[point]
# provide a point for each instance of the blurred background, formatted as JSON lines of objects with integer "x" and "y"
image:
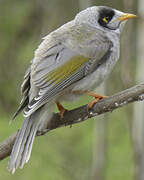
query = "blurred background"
{"x": 105, "y": 148}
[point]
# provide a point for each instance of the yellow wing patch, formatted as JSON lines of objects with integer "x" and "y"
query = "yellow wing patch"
{"x": 66, "y": 69}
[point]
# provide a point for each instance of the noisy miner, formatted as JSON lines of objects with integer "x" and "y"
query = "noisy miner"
{"x": 71, "y": 61}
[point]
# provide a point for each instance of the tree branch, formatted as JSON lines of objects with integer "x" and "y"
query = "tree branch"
{"x": 80, "y": 114}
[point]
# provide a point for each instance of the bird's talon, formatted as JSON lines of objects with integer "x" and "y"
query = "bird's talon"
{"x": 61, "y": 113}
{"x": 61, "y": 109}
{"x": 91, "y": 104}
{"x": 97, "y": 98}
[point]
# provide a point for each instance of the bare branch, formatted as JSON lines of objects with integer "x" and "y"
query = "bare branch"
{"x": 80, "y": 114}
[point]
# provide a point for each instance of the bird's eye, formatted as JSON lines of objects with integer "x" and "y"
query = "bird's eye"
{"x": 106, "y": 19}
{"x": 105, "y": 16}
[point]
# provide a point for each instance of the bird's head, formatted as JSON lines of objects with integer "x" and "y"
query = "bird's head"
{"x": 104, "y": 18}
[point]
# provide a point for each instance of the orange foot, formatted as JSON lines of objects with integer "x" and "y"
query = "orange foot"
{"x": 61, "y": 109}
{"x": 96, "y": 96}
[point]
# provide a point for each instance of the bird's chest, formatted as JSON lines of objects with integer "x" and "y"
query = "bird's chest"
{"x": 93, "y": 80}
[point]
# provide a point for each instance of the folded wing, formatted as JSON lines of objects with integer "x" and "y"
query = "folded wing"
{"x": 55, "y": 72}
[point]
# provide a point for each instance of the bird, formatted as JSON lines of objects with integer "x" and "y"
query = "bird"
{"x": 71, "y": 61}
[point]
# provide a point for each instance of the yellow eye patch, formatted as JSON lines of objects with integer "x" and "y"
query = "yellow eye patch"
{"x": 105, "y": 20}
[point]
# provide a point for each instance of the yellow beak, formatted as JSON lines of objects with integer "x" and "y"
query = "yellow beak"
{"x": 126, "y": 16}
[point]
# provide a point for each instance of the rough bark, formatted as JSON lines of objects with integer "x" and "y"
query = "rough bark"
{"x": 82, "y": 113}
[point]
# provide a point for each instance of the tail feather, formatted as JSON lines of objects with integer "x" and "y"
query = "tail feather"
{"x": 17, "y": 144}
{"x": 23, "y": 144}
{"x": 28, "y": 147}
{"x": 22, "y": 148}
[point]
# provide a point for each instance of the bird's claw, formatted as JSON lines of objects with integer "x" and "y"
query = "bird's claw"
{"x": 94, "y": 101}
{"x": 61, "y": 109}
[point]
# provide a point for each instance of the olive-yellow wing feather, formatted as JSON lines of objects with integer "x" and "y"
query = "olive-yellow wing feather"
{"x": 52, "y": 81}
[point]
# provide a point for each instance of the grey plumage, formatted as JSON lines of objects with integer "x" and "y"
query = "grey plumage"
{"x": 77, "y": 56}
{"x": 25, "y": 87}
{"x": 22, "y": 147}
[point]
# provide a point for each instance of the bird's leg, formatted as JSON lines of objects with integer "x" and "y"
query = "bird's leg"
{"x": 61, "y": 109}
{"x": 89, "y": 93}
